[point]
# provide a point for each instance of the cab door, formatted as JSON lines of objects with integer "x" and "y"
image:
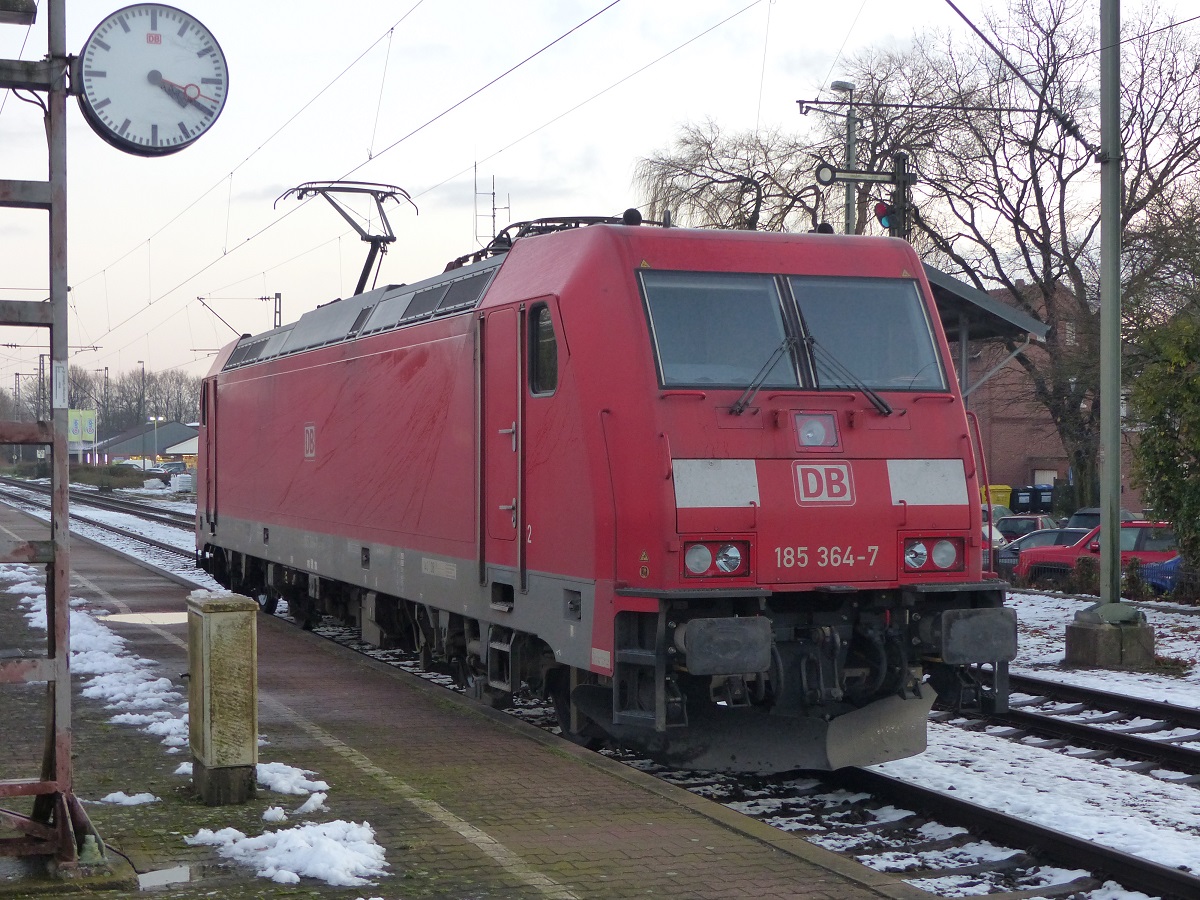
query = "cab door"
{"x": 500, "y": 439}
{"x": 208, "y": 461}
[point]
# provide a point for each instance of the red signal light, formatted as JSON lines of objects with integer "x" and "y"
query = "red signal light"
{"x": 884, "y": 213}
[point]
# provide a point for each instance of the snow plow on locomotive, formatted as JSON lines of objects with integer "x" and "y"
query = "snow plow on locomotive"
{"x": 712, "y": 493}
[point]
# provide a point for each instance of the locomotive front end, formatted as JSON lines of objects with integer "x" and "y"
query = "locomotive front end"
{"x": 822, "y": 581}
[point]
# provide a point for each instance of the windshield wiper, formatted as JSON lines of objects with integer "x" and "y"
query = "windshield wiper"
{"x": 753, "y": 387}
{"x": 835, "y": 365}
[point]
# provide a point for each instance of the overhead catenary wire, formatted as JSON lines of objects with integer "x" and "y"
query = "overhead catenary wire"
{"x": 284, "y": 216}
{"x": 271, "y": 137}
{"x": 594, "y": 96}
{"x": 257, "y": 234}
{"x": 1067, "y": 123}
{"x": 271, "y": 225}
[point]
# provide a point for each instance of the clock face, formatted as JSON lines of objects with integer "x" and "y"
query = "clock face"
{"x": 153, "y": 79}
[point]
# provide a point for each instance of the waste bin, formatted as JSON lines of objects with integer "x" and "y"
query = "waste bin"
{"x": 1033, "y": 498}
{"x": 1001, "y": 494}
{"x": 1043, "y": 495}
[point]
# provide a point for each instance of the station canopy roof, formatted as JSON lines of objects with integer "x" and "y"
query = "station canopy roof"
{"x": 984, "y": 317}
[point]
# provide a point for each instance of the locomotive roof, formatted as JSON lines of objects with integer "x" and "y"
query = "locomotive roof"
{"x": 463, "y": 284}
{"x": 371, "y": 312}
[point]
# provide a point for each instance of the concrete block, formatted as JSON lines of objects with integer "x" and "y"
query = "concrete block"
{"x": 224, "y": 785}
{"x": 1105, "y": 646}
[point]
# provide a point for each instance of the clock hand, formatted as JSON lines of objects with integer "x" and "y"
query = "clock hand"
{"x": 181, "y": 94}
{"x": 172, "y": 90}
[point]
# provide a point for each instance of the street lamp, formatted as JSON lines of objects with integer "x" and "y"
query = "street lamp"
{"x": 155, "y": 420}
{"x": 845, "y": 87}
{"x": 142, "y": 405}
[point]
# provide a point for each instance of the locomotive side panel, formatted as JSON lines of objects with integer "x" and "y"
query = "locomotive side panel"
{"x": 311, "y": 444}
{"x": 382, "y": 468}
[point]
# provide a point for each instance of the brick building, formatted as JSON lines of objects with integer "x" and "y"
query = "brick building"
{"x": 1020, "y": 444}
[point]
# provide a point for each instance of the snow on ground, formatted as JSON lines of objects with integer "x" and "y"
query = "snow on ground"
{"x": 1134, "y": 813}
{"x": 1137, "y": 814}
{"x": 337, "y": 852}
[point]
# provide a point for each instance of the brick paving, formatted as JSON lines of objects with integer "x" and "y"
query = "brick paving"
{"x": 467, "y": 802}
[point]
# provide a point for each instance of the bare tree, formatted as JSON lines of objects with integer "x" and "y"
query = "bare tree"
{"x": 173, "y": 395}
{"x": 1010, "y": 199}
{"x": 177, "y": 394}
{"x": 746, "y": 181}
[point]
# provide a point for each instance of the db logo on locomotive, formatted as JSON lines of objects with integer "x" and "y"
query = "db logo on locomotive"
{"x": 826, "y": 483}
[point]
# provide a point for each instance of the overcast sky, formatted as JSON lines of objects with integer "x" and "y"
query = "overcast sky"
{"x": 321, "y": 91}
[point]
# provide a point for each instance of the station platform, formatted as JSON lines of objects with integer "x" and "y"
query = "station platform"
{"x": 466, "y": 801}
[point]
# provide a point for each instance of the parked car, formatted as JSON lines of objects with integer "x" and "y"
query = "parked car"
{"x": 1051, "y": 566}
{"x": 1013, "y": 527}
{"x": 990, "y": 516}
{"x": 142, "y": 464}
{"x": 1006, "y": 559}
{"x": 1089, "y": 517}
{"x": 993, "y": 541}
{"x": 173, "y": 467}
{"x": 1162, "y": 577}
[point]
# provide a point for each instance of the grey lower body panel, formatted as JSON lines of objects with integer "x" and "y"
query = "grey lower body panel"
{"x": 557, "y": 609}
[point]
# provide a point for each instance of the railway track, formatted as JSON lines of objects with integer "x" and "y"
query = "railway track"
{"x": 939, "y": 843}
{"x": 1139, "y": 735}
{"x": 36, "y": 498}
{"x": 110, "y": 502}
{"x": 1037, "y": 845}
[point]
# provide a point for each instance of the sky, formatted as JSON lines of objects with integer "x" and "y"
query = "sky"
{"x": 397, "y": 94}
{"x": 1153, "y": 815}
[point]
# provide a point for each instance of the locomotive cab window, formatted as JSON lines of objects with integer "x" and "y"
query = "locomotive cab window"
{"x": 543, "y": 352}
{"x": 718, "y": 328}
{"x": 869, "y": 331}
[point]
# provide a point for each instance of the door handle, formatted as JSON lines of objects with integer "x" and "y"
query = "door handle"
{"x": 513, "y": 432}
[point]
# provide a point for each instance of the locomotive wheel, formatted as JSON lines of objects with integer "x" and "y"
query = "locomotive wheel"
{"x": 589, "y": 734}
{"x": 267, "y": 602}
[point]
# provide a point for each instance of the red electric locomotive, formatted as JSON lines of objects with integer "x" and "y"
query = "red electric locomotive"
{"x": 712, "y": 492}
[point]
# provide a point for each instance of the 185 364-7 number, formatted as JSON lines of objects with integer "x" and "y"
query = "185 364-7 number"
{"x": 824, "y": 557}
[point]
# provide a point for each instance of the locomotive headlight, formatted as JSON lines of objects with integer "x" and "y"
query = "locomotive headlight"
{"x": 716, "y": 559}
{"x": 934, "y": 555}
{"x": 729, "y": 558}
{"x": 698, "y": 558}
{"x": 816, "y": 429}
{"x": 812, "y": 433}
{"x": 945, "y": 554}
{"x": 916, "y": 554}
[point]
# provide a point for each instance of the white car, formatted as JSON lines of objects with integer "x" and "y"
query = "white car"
{"x": 136, "y": 463}
{"x": 992, "y": 540}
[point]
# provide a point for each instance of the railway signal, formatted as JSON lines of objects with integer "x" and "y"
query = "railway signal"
{"x": 893, "y": 216}
{"x": 885, "y": 214}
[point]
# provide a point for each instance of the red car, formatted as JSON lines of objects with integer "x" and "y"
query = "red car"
{"x": 1050, "y": 567}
